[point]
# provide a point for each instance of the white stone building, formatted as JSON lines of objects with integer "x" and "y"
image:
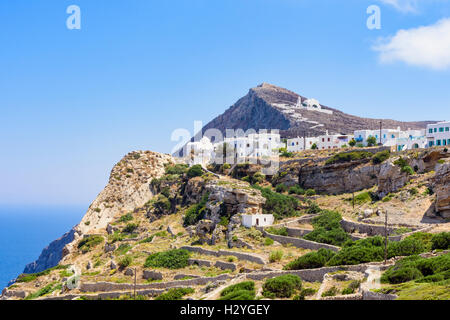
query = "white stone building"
{"x": 333, "y": 141}
{"x": 311, "y": 105}
{"x": 257, "y": 220}
{"x": 298, "y": 144}
{"x": 401, "y": 140}
{"x": 199, "y": 152}
{"x": 438, "y": 134}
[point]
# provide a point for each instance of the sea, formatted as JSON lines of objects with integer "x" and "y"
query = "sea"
{"x": 26, "y": 230}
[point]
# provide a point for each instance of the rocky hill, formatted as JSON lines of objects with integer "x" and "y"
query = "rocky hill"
{"x": 270, "y": 107}
{"x": 178, "y": 230}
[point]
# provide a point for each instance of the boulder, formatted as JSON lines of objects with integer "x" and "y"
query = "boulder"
{"x": 129, "y": 272}
{"x": 153, "y": 275}
{"x": 110, "y": 247}
{"x": 113, "y": 265}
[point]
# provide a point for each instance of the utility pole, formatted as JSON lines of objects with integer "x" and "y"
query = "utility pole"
{"x": 134, "y": 283}
{"x": 385, "y": 235}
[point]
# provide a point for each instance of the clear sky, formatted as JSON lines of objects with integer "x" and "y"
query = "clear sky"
{"x": 73, "y": 102}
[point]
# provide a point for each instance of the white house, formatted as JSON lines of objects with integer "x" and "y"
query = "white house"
{"x": 438, "y": 134}
{"x": 311, "y": 105}
{"x": 254, "y": 145}
{"x": 199, "y": 152}
{"x": 402, "y": 140}
{"x": 257, "y": 220}
{"x": 333, "y": 141}
{"x": 298, "y": 144}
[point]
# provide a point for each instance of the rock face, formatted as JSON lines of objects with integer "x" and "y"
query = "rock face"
{"x": 441, "y": 186}
{"x": 391, "y": 178}
{"x": 334, "y": 179}
{"x": 51, "y": 255}
{"x": 128, "y": 188}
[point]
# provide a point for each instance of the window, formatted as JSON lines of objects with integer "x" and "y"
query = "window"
{"x": 328, "y": 139}
{"x": 430, "y": 131}
{"x": 384, "y": 136}
{"x": 392, "y": 136}
{"x": 444, "y": 142}
{"x": 430, "y": 143}
{"x": 293, "y": 144}
{"x": 447, "y": 129}
{"x": 323, "y": 139}
{"x": 441, "y": 129}
{"x": 448, "y": 142}
{"x": 435, "y": 130}
{"x": 438, "y": 142}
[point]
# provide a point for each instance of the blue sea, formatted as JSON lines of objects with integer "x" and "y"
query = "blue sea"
{"x": 25, "y": 231}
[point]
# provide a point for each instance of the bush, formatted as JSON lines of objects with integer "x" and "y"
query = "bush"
{"x": 195, "y": 171}
{"x": 381, "y": 156}
{"x": 125, "y": 218}
{"x": 276, "y": 256}
{"x": 406, "y": 247}
{"x": 371, "y": 141}
{"x": 330, "y": 292}
{"x": 240, "y": 291}
{"x": 403, "y": 275}
{"x": 362, "y": 198}
{"x": 441, "y": 241}
{"x": 279, "y": 205}
{"x": 352, "y": 143}
{"x": 125, "y": 262}
{"x": 281, "y": 188}
{"x": 177, "y": 169}
{"x": 196, "y": 212}
{"x": 348, "y": 156}
{"x": 130, "y": 228}
{"x": 310, "y": 192}
{"x": 268, "y": 242}
{"x": 282, "y": 286}
{"x": 311, "y": 260}
{"x": 278, "y": 231}
{"x": 348, "y": 291}
{"x": 86, "y": 244}
{"x": 246, "y": 285}
{"x": 296, "y": 190}
{"x": 327, "y": 229}
{"x": 172, "y": 259}
{"x": 175, "y": 294}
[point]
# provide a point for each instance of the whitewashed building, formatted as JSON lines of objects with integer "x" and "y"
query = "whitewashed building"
{"x": 333, "y": 141}
{"x": 438, "y": 134}
{"x": 401, "y": 140}
{"x": 301, "y": 143}
{"x": 199, "y": 152}
{"x": 257, "y": 220}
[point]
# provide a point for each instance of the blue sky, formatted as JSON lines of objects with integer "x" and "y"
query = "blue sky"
{"x": 73, "y": 102}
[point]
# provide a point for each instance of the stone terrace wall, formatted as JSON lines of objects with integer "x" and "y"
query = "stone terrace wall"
{"x": 300, "y": 243}
{"x": 112, "y": 286}
{"x": 240, "y": 255}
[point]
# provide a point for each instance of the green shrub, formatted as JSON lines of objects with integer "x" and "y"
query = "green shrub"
{"x": 196, "y": 212}
{"x": 330, "y": 292}
{"x": 175, "y": 294}
{"x": 147, "y": 240}
{"x": 371, "y": 141}
{"x": 178, "y": 169}
{"x": 403, "y": 275}
{"x": 282, "y": 286}
{"x": 362, "y": 198}
{"x": 381, "y": 156}
{"x": 246, "y": 285}
{"x": 279, "y": 205}
{"x": 130, "y": 228}
{"x": 348, "y": 156}
{"x": 276, "y": 256}
{"x": 123, "y": 248}
{"x": 278, "y": 231}
{"x": 32, "y": 276}
{"x": 441, "y": 241}
{"x": 86, "y": 244}
{"x": 346, "y": 291}
{"x": 296, "y": 190}
{"x": 43, "y": 291}
{"x": 327, "y": 229}
{"x": 406, "y": 247}
{"x": 172, "y": 259}
{"x": 310, "y": 192}
{"x": 316, "y": 259}
{"x": 125, "y": 218}
{"x": 268, "y": 241}
{"x": 195, "y": 171}
{"x": 280, "y": 188}
{"x": 125, "y": 262}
